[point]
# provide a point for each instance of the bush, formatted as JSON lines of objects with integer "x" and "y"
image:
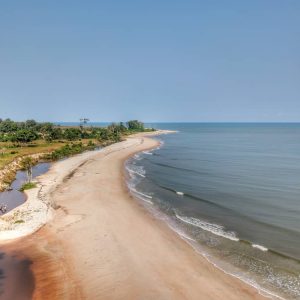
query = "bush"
{"x": 67, "y": 150}
{"x": 72, "y": 134}
{"x": 28, "y": 186}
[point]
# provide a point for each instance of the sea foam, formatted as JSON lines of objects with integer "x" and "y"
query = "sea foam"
{"x": 213, "y": 228}
{"x": 262, "y": 248}
{"x": 180, "y": 193}
{"x": 133, "y": 169}
{"x": 141, "y": 194}
{"x": 147, "y": 152}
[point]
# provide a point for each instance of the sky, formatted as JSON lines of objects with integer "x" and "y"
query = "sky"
{"x": 156, "y": 60}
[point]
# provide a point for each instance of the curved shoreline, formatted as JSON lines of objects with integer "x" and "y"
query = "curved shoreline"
{"x": 193, "y": 243}
{"x": 112, "y": 247}
{"x": 37, "y": 210}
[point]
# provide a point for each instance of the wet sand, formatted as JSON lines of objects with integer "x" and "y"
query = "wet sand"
{"x": 16, "y": 277}
{"x": 103, "y": 244}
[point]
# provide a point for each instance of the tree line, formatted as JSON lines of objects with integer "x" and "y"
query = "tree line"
{"x": 30, "y": 130}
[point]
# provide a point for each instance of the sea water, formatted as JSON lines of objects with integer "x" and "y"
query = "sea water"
{"x": 233, "y": 192}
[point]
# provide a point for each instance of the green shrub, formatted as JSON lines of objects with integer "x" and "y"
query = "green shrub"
{"x": 27, "y": 186}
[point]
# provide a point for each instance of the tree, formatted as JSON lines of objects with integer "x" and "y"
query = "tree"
{"x": 8, "y": 126}
{"x": 27, "y": 164}
{"x": 56, "y": 133}
{"x": 114, "y": 132}
{"x": 72, "y": 134}
{"x": 50, "y": 133}
{"x": 123, "y": 128}
{"x": 135, "y": 125}
{"x": 24, "y": 136}
{"x": 46, "y": 127}
{"x": 30, "y": 124}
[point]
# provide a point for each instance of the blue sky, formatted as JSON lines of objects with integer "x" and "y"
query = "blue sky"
{"x": 151, "y": 60}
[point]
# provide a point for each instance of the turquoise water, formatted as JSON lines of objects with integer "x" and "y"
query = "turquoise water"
{"x": 234, "y": 191}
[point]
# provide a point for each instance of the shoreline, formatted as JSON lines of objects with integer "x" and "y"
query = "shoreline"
{"x": 122, "y": 224}
{"x": 161, "y": 217}
{"x": 37, "y": 210}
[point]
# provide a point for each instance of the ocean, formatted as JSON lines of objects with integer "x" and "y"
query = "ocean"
{"x": 232, "y": 190}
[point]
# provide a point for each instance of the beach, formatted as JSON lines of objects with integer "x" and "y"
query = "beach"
{"x": 92, "y": 240}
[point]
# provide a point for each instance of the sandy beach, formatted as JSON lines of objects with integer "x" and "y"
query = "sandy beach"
{"x": 98, "y": 242}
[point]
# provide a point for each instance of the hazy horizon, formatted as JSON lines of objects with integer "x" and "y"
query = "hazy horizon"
{"x": 186, "y": 122}
{"x": 167, "y": 61}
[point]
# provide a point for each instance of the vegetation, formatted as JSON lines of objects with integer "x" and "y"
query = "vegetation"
{"x": 135, "y": 125}
{"x": 10, "y": 152}
{"x": 20, "y": 133}
{"x": 69, "y": 149}
{"x": 19, "y": 221}
{"x": 20, "y": 140}
{"x": 27, "y": 186}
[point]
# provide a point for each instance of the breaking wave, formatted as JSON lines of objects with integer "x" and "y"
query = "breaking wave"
{"x": 213, "y": 228}
{"x": 138, "y": 170}
{"x": 262, "y": 248}
{"x": 147, "y": 152}
{"x": 180, "y": 193}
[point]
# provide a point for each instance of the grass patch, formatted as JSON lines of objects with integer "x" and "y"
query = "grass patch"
{"x": 52, "y": 151}
{"x": 27, "y": 186}
{"x": 10, "y": 151}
